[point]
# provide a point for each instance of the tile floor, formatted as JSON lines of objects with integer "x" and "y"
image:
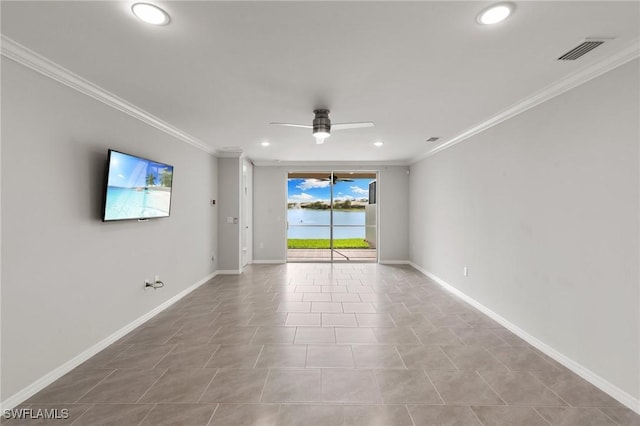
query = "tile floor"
{"x": 316, "y": 344}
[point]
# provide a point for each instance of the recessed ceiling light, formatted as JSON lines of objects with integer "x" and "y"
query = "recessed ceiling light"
{"x": 150, "y": 14}
{"x": 378, "y": 143}
{"x": 495, "y": 13}
{"x": 265, "y": 143}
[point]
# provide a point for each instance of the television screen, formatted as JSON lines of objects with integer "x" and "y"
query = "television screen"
{"x": 136, "y": 188}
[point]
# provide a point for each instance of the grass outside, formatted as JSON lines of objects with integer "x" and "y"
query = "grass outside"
{"x": 347, "y": 243}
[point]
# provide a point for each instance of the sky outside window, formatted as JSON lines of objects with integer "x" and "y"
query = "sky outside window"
{"x": 311, "y": 190}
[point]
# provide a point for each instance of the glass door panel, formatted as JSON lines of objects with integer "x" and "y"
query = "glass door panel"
{"x": 330, "y": 217}
{"x": 353, "y": 240}
{"x": 309, "y": 217}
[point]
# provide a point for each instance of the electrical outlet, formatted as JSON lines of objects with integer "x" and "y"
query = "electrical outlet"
{"x": 465, "y": 271}
{"x": 155, "y": 284}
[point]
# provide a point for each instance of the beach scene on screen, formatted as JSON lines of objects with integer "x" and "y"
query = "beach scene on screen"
{"x": 137, "y": 188}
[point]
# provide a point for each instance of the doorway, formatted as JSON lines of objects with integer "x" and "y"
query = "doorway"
{"x": 332, "y": 216}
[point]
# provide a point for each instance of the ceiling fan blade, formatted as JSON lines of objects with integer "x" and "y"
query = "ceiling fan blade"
{"x": 344, "y": 126}
{"x": 293, "y": 125}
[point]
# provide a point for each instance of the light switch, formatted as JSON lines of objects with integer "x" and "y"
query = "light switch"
{"x": 229, "y": 219}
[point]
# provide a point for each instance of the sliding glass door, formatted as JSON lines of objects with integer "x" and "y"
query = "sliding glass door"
{"x": 332, "y": 217}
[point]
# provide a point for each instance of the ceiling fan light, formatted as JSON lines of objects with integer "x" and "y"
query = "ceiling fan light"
{"x": 320, "y": 136}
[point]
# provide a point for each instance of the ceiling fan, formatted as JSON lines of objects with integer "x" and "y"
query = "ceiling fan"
{"x": 336, "y": 179}
{"x": 322, "y": 125}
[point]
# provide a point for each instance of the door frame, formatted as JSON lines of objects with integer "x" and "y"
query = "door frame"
{"x": 246, "y": 213}
{"x": 331, "y": 171}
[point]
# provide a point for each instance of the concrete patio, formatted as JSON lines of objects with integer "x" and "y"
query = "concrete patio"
{"x": 324, "y": 255}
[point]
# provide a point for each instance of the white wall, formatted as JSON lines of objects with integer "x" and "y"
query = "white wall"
{"x": 269, "y": 214}
{"x": 543, "y": 209}
{"x": 229, "y": 174}
{"x": 69, "y": 280}
{"x": 270, "y": 210}
{"x": 393, "y": 198}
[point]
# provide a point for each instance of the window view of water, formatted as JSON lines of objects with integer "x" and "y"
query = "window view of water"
{"x": 312, "y": 224}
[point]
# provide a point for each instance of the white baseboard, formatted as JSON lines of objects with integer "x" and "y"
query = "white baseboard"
{"x": 394, "y": 262}
{"x": 269, "y": 262}
{"x": 54, "y": 375}
{"x": 230, "y": 272}
{"x": 615, "y": 392}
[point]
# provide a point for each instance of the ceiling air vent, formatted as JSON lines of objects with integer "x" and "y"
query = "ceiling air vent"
{"x": 433, "y": 139}
{"x": 582, "y": 49}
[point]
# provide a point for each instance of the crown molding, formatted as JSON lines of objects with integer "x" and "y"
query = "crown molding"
{"x": 30, "y": 59}
{"x": 16, "y": 52}
{"x": 628, "y": 53}
{"x": 230, "y": 154}
{"x": 331, "y": 164}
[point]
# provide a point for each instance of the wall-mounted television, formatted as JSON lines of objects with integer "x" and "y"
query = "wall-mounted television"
{"x": 136, "y": 188}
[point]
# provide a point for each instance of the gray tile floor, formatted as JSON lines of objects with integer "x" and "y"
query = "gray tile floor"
{"x": 316, "y": 344}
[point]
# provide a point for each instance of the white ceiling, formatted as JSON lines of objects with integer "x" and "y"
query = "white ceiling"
{"x": 221, "y": 71}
